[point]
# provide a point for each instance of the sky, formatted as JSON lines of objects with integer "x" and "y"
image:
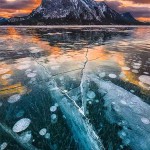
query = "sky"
{"x": 140, "y": 9}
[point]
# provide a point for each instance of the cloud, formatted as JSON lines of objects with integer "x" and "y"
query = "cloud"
{"x": 17, "y": 4}
{"x": 136, "y": 11}
{"x": 141, "y": 1}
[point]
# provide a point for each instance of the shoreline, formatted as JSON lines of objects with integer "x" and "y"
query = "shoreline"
{"x": 71, "y": 26}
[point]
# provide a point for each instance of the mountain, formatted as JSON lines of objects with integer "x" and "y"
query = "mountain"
{"x": 2, "y": 20}
{"x": 56, "y": 12}
{"x": 129, "y": 17}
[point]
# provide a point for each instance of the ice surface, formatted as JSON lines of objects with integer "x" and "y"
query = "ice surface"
{"x": 14, "y": 98}
{"x": 21, "y": 125}
{"x": 82, "y": 130}
{"x": 124, "y": 106}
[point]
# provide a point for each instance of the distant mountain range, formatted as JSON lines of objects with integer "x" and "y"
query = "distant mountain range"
{"x": 73, "y": 12}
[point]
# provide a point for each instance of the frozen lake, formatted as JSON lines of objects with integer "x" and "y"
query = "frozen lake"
{"x": 75, "y": 88}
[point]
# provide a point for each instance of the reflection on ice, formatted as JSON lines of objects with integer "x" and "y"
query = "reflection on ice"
{"x": 47, "y": 78}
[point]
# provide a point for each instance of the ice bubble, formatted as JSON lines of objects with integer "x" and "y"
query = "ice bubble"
{"x": 113, "y": 76}
{"x": 24, "y": 66}
{"x": 97, "y": 101}
{"x": 137, "y": 64}
{"x": 132, "y": 91}
{"x": 6, "y": 76}
{"x": 126, "y": 68}
{"x": 135, "y": 71}
{"x": 55, "y": 67}
{"x": 90, "y": 102}
{"x": 126, "y": 141}
{"x": 43, "y": 131}
{"x": 20, "y": 114}
{"x": 3, "y": 146}
{"x": 31, "y": 75}
{"x": 145, "y": 120}
{"x": 26, "y": 137}
{"x": 53, "y": 118}
{"x": 56, "y": 104}
{"x": 102, "y": 75}
{"x": 121, "y": 134}
{"x": 136, "y": 67}
{"x": 146, "y": 73}
{"x": 145, "y": 79}
{"x": 28, "y": 70}
{"x": 91, "y": 95}
{"x": 3, "y": 71}
{"x": 21, "y": 125}
{"x": 1, "y": 104}
{"x": 123, "y": 102}
{"x": 14, "y": 98}
{"x": 53, "y": 108}
{"x": 35, "y": 49}
{"x": 47, "y": 136}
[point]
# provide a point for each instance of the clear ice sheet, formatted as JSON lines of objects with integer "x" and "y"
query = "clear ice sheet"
{"x": 61, "y": 82}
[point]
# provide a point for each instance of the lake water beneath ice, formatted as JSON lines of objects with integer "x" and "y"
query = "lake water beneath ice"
{"x": 75, "y": 88}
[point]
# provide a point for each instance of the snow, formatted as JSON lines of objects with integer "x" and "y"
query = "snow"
{"x": 145, "y": 79}
{"x": 14, "y": 98}
{"x": 43, "y": 131}
{"x": 21, "y": 125}
{"x": 3, "y": 146}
